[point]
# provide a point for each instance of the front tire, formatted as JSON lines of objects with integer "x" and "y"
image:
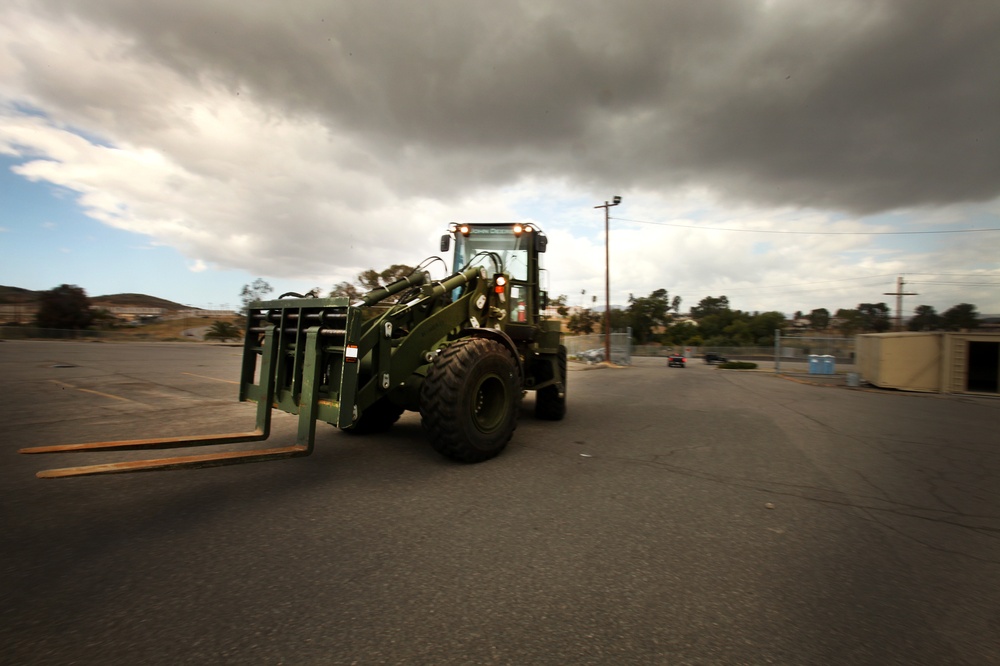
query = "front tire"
{"x": 470, "y": 399}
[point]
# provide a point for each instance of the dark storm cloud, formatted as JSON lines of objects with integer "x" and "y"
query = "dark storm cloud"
{"x": 857, "y": 106}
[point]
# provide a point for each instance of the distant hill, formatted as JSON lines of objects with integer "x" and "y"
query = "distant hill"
{"x": 137, "y": 301}
{"x": 16, "y": 295}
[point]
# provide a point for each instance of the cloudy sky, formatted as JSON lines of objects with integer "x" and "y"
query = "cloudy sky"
{"x": 789, "y": 154}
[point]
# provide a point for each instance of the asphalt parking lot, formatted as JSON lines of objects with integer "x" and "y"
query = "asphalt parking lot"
{"x": 677, "y": 516}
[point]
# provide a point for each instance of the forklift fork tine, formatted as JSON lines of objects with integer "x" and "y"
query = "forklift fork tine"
{"x": 265, "y": 400}
{"x": 157, "y": 443}
{"x": 178, "y": 462}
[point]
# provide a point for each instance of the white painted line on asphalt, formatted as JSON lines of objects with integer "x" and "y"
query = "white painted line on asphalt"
{"x": 214, "y": 379}
{"x": 103, "y": 395}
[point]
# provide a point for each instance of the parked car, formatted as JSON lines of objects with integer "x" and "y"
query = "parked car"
{"x": 676, "y": 361}
{"x": 597, "y": 356}
{"x": 712, "y": 357}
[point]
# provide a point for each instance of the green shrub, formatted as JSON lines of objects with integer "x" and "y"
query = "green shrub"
{"x": 223, "y": 330}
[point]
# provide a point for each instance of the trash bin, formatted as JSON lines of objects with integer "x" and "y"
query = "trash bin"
{"x": 853, "y": 379}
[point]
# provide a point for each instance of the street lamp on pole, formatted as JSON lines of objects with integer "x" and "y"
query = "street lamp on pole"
{"x": 607, "y": 276}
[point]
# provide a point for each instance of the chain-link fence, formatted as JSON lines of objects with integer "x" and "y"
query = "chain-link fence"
{"x": 825, "y": 356}
{"x": 796, "y": 348}
{"x": 790, "y": 350}
{"x": 738, "y": 353}
{"x": 590, "y": 348}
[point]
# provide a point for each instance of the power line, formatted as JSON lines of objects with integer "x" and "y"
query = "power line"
{"x": 806, "y": 284}
{"x": 963, "y": 284}
{"x": 807, "y": 233}
{"x": 962, "y": 275}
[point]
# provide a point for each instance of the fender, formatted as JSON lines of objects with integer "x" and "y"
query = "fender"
{"x": 499, "y": 336}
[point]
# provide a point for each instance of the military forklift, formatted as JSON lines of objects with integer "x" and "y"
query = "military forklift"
{"x": 462, "y": 351}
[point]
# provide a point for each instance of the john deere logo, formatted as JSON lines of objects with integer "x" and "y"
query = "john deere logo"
{"x": 492, "y": 231}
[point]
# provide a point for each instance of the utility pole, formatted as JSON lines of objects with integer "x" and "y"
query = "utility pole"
{"x": 899, "y": 293}
{"x": 607, "y": 277}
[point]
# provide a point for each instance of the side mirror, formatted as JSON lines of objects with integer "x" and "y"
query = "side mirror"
{"x": 445, "y": 242}
{"x": 541, "y": 240}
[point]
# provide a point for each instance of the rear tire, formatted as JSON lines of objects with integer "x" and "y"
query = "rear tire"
{"x": 548, "y": 404}
{"x": 470, "y": 399}
{"x": 379, "y": 417}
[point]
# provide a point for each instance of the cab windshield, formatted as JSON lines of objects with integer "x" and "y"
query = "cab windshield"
{"x": 510, "y": 248}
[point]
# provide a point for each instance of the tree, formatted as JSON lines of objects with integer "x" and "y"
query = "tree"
{"x": 925, "y": 318}
{"x": 961, "y": 316}
{"x": 682, "y": 333}
{"x": 738, "y": 333}
{"x": 102, "y": 319}
{"x": 255, "y": 291}
{"x": 619, "y": 320}
{"x": 819, "y": 318}
{"x": 764, "y": 324}
{"x": 646, "y": 313}
{"x": 874, "y": 317}
{"x": 583, "y": 322}
{"x": 346, "y": 290}
{"x": 223, "y": 330}
{"x": 710, "y": 305}
{"x": 848, "y": 322}
{"x": 66, "y": 306}
{"x": 717, "y": 327}
{"x": 370, "y": 279}
{"x": 560, "y": 304}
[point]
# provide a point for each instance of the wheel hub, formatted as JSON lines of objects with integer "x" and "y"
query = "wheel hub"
{"x": 489, "y": 403}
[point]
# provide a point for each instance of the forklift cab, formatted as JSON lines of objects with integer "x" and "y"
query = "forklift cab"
{"x": 515, "y": 250}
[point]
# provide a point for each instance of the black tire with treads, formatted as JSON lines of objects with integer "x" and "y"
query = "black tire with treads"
{"x": 470, "y": 399}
